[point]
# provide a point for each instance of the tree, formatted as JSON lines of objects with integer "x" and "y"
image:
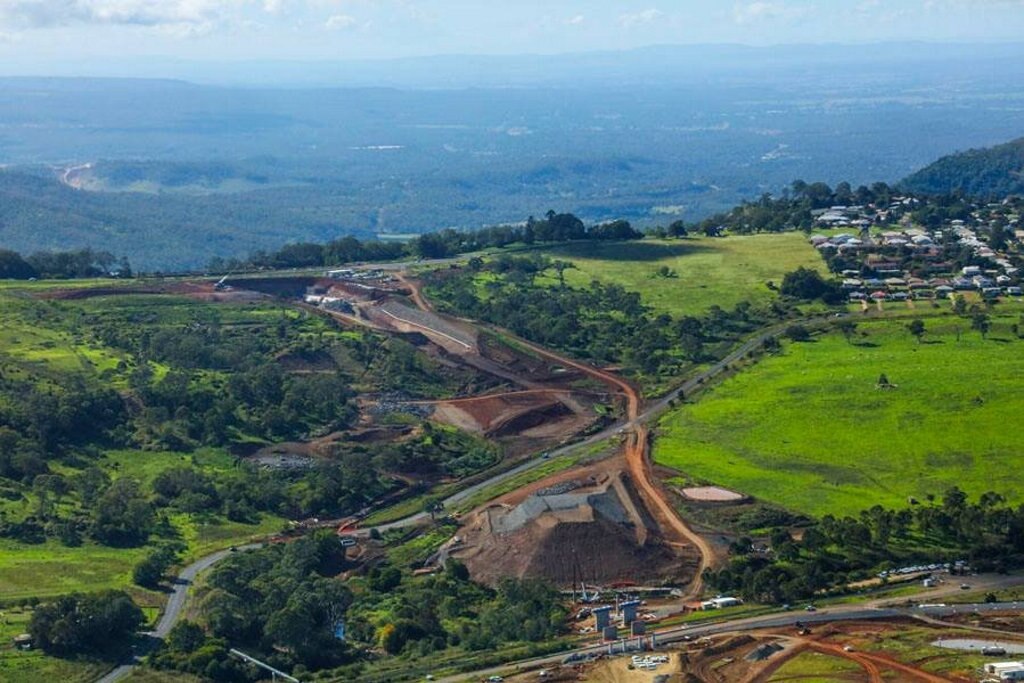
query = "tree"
{"x": 848, "y": 329}
{"x": 677, "y": 229}
{"x": 981, "y": 323}
{"x": 14, "y": 267}
{"x": 916, "y": 328}
{"x": 431, "y": 245}
{"x": 560, "y": 268}
{"x": 151, "y": 570}
{"x": 807, "y": 284}
{"x": 433, "y": 508}
{"x": 798, "y": 333}
{"x": 122, "y": 516}
{"x": 186, "y": 636}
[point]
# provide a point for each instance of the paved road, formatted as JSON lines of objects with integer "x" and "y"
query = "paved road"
{"x": 175, "y": 606}
{"x": 769, "y": 621}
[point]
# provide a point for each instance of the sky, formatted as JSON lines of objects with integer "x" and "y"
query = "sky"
{"x": 37, "y": 33}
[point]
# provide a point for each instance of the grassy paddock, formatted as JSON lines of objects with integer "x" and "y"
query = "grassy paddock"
{"x": 814, "y": 667}
{"x": 722, "y": 271}
{"x": 809, "y": 430}
{"x": 51, "y": 569}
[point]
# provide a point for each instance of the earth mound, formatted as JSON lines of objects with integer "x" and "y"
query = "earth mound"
{"x": 599, "y": 534}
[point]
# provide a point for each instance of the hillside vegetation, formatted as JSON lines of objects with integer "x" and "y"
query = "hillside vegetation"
{"x": 990, "y": 172}
{"x": 124, "y": 418}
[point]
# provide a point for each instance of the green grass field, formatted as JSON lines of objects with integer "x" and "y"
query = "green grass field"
{"x": 723, "y": 271}
{"x": 814, "y": 667}
{"x": 809, "y": 430}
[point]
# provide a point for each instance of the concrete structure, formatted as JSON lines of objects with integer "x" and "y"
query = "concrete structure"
{"x": 628, "y": 610}
{"x": 610, "y": 632}
{"x": 602, "y": 617}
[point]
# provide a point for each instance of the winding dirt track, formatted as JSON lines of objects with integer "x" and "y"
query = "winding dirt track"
{"x": 874, "y": 663}
{"x": 637, "y": 449}
{"x": 640, "y": 468}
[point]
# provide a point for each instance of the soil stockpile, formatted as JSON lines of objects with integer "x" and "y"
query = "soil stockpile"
{"x": 599, "y": 534}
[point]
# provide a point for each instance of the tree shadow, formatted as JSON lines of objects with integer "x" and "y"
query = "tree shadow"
{"x": 866, "y": 345}
{"x": 930, "y": 342}
{"x": 629, "y": 251}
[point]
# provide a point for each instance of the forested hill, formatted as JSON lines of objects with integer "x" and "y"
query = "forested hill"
{"x": 154, "y": 231}
{"x": 992, "y": 172}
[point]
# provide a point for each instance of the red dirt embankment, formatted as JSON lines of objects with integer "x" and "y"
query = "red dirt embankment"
{"x": 637, "y": 444}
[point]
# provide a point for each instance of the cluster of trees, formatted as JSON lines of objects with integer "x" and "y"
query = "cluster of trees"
{"x": 603, "y": 323}
{"x": 793, "y": 209}
{"x": 283, "y": 598}
{"x": 808, "y": 285}
{"x": 94, "y": 624}
{"x": 62, "y": 265}
{"x": 554, "y": 227}
{"x": 283, "y": 601}
{"x": 988, "y": 533}
{"x": 38, "y": 422}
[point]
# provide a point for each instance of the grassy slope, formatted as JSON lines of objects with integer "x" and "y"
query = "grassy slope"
{"x": 710, "y": 271}
{"x": 808, "y": 429}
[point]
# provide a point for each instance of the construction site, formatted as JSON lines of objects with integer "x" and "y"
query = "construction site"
{"x": 606, "y": 530}
{"x": 601, "y": 522}
{"x": 594, "y": 530}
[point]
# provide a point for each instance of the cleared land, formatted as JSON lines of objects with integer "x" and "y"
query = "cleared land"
{"x": 810, "y": 430}
{"x": 707, "y": 271}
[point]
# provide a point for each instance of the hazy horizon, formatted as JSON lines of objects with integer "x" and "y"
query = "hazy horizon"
{"x": 53, "y": 37}
{"x": 652, "y": 63}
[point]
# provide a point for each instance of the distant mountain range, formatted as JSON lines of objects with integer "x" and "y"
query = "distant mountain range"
{"x": 172, "y": 174}
{"x": 991, "y": 172}
{"x": 656, "y": 66}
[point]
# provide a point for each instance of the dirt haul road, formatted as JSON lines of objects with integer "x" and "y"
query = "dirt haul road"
{"x": 637, "y": 449}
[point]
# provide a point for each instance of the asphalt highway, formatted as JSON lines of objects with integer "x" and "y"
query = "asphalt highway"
{"x": 175, "y": 605}
{"x": 770, "y": 621}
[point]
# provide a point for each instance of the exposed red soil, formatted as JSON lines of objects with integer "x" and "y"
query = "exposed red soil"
{"x": 510, "y": 413}
{"x": 599, "y": 532}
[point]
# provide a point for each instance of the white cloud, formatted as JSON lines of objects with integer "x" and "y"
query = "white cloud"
{"x": 180, "y": 14}
{"x": 640, "y": 18}
{"x": 746, "y": 13}
{"x": 576, "y": 20}
{"x": 338, "y": 22}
